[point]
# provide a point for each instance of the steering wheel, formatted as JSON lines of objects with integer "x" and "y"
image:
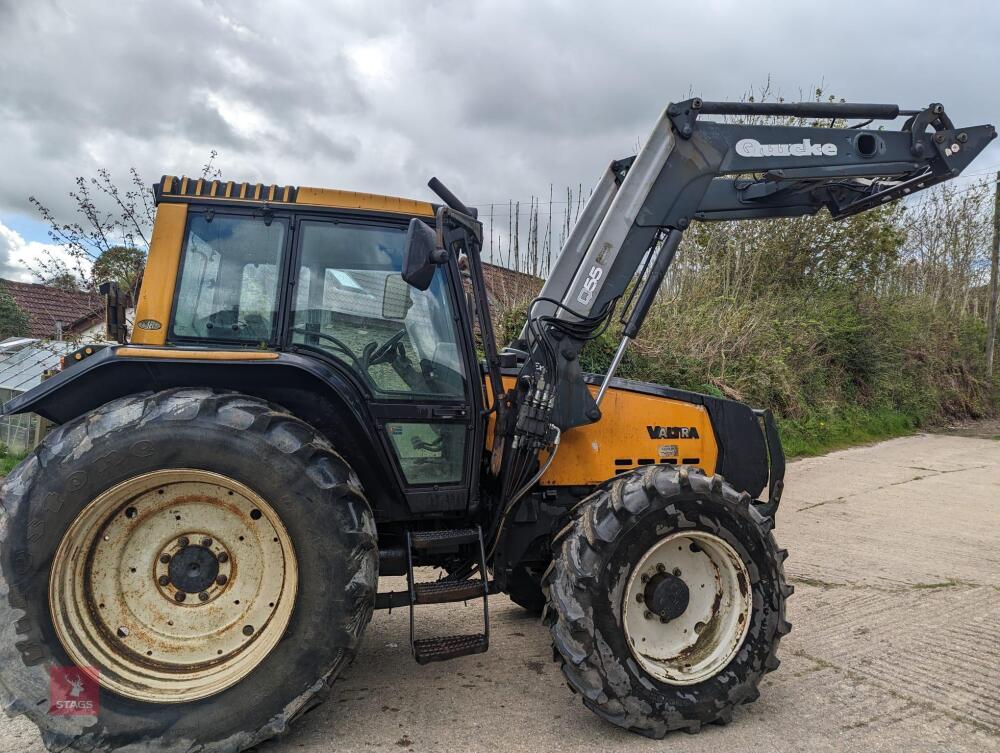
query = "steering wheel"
{"x": 383, "y": 353}
{"x": 331, "y": 339}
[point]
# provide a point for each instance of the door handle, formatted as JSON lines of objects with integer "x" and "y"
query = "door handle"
{"x": 449, "y": 412}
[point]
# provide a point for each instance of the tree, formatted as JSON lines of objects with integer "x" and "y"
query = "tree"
{"x": 121, "y": 264}
{"x": 13, "y": 320}
{"x": 110, "y": 234}
{"x": 109, "y": 216}
{"x": 63, "y": 280}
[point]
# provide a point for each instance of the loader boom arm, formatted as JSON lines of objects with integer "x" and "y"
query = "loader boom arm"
{"x": 692, "y": 168}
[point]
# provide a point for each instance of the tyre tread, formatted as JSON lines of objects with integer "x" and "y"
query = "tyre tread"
{"x": 283, "y": 431}
{"x": 568, "y": 586}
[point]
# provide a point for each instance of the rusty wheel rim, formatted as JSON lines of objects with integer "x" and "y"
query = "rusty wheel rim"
{"x": 173, "y": 585}
{"x": 687, "y": 607}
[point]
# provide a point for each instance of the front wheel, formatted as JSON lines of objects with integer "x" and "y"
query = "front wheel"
{"x": 205, "y": 558}
{"x": 524, "y": 586}
{"x": 666, "y": 600}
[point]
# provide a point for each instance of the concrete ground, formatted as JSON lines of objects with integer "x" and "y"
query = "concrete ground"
{"x": 895, "y": 555}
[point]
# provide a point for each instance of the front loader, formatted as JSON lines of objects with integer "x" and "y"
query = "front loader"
{"x": 310, "y": 399}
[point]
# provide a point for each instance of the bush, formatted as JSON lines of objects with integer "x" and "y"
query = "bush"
{"x": 8, "y": 460}
{"x": 849, "y": 330}
{"x": 837, "y": 365}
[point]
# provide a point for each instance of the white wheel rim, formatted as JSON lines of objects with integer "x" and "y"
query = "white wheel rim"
{"x": 174, "y": 585}
{"x": 696, "y": 644}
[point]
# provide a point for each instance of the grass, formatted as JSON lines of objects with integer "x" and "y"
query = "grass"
{"x": 8, "y": 462}
{"x": 819, "y": 433}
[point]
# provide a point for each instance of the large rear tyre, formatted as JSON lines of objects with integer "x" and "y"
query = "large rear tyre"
{"x": 666, "y": 600}
{"x": 208, "y": 553}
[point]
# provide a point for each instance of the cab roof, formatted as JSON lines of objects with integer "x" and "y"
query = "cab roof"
{"x": 178, "y": 188}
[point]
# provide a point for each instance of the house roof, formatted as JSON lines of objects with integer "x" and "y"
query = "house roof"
{"x": 47, "y": 306}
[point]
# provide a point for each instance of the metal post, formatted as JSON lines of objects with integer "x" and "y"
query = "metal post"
{"x": 991, "y": 314}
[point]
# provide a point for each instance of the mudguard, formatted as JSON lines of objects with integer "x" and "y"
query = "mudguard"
{"x": 318, "y": 394}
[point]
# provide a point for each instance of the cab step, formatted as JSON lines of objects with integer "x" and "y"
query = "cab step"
{"x": 444, "y": 591}
{"x": 427, "y": 650}
{"x": 444, "y": 539}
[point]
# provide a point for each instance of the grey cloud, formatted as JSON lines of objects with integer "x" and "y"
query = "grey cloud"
{"x": 497, "y": 99}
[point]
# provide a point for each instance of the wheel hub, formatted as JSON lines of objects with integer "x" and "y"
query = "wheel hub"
{"x": 193, "y": 569}
{"x": 171, "y": 612}
{"x": 666, "y": 596}
{"x": 687, "y": 607}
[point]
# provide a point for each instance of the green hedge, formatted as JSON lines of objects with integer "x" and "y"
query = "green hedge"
{"x": 837, "y": 365}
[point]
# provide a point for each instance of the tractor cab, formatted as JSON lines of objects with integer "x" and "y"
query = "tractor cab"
{"x": 323, "y": 281}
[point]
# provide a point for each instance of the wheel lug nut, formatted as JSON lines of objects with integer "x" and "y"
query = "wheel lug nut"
{"x": 660, "y": 567}
{"x": 222, "y": 580}
{"x": 180, "y": 596}
{"x": 677, "y": 572}
{"x": 248, "y": 630}
{"x": 203, "y": 596}
{"x": 163, "y": 580}
{"x": 647, "y": 614}
{"x": 206, "y": 543}
{"x": 182, "y": 542}
{"x": 223, "y": 557}
{"x": 645, "y": 578}
{"x": 664, "y": 620}
{"x": 164, "y": 559}
{"x": 640, "y": 598}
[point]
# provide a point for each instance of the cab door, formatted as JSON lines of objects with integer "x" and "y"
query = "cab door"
{"x": 406, "y": 349}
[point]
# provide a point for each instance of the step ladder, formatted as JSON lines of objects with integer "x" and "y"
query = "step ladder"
{"x": 426, "y": 650}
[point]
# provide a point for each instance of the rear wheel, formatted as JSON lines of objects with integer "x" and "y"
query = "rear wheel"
{"x": 666, "y": 600}
{"x": 206, "y": 557}
{"x": 176, "y": 583}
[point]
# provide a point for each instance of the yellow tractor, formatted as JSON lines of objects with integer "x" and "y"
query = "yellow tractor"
{"x": 309, "y": 399}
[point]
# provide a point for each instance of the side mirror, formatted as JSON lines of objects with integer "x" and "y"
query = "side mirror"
{"x": 396, "y": 299}
{"x": 421, "y": 255}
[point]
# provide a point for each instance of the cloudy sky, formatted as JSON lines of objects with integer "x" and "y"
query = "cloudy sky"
{"x": 498, "y": 99}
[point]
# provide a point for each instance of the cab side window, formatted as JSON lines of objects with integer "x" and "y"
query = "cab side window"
{"x": 228, "y": 287}
{"x": 352, "y": 303}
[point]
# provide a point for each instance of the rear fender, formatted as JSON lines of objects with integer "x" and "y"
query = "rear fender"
{"x": 314, "y": 392}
